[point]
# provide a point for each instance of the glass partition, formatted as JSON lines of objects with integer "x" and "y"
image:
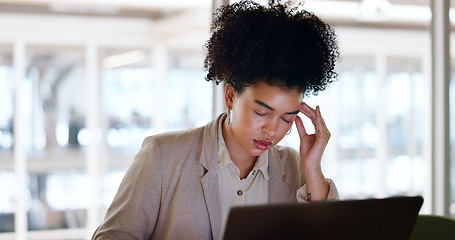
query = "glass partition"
{"x": 6, "y": 102}
{"x": 452, "y": 139}
{"x": 188, "y": 99}
{"x": 59, "y": 199}
{"x": 55, "y": 106}
{"x": 7, "y": 201}
{"x": 56, "y": 99}
{"x": 127, "y": 100}
{"x": 407, "y": 100}
{"x": 357, "y": 131}
{"x": 8, "y": 191}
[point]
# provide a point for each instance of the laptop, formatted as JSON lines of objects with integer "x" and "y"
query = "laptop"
{"x": 388, "y": 218}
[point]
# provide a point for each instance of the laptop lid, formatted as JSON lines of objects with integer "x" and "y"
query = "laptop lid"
{"x": 388, "y": 218}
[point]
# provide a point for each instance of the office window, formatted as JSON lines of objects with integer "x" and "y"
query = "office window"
{"x": 55, "y": 99}
{"x": 8, "y": 190}
{"x": 407, "y": 100}
{"x": 55, "y": 102}
{"x": 131, "y": 105}
{"x": 452, "y": 139}
{"x": 6, "y": 101}
{"x": 357, "y": 134}
{"x": 59, "y": 199}
{"x": 7, "y": 201}
{"x": 128, "y": 98}
{"x": 188, "y": 99}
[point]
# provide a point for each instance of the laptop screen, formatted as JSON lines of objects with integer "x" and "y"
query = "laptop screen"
{"x": 388, "y": 218}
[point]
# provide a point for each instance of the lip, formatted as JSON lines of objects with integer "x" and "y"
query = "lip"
{"x": 263, "y": 144}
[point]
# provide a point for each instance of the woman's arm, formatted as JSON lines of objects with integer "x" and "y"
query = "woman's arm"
{"x": 134, "y": 210}
{"x": 312, "y": 148}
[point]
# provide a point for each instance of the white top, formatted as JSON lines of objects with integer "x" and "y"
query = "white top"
{"x": 234, "y": 191}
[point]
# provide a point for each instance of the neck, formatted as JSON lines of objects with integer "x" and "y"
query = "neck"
{"x": 239, "y": 157}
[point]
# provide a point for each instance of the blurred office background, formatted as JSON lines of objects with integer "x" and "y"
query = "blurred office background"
{"x": 82, "y": 83}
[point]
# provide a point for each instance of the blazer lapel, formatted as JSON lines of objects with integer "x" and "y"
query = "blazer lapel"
{"x": 209, "y": 182}
{"x": 279, "y": 191}
{"x": 212, "y": 200}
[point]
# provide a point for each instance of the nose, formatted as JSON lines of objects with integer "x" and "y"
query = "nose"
{"x": 270, "y": 127}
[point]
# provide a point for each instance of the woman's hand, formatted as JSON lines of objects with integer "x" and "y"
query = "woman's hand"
{"x": 312, "y": 148}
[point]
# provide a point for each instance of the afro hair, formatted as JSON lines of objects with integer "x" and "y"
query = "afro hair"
{"x": 278, "y": 44}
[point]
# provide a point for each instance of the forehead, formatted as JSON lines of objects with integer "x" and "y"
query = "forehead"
{"x": 273, "y": 94}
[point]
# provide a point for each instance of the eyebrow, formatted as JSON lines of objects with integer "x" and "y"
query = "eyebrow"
{"x": 270, "y": 108}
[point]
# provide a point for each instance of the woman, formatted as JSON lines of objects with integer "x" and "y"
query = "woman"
{"x": 181, "y": 185}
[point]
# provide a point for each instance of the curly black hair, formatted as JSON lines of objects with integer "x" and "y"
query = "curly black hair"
{"x": 278, "y": 44}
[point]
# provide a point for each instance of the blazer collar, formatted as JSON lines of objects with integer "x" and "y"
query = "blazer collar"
{"x": 210, "y": 184}
{"x": 279, "y": 191}
{"x": 209, "y": 151}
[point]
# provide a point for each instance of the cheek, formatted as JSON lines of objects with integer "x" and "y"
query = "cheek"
{"x": 252, "y": 122}
{"x": 247, "y": 122}
{"x": 284, "y": 130}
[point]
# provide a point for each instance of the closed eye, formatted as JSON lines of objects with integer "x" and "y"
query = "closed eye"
{"x": 286, "y": 121}
{"x": 259, "y": 114}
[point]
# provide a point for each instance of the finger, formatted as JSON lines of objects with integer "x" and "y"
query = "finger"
{"x": 321, "y": 127}
{"x": 319, "y": 120}
{"x": 308, "y": 111}
{"x": 300, "y": 127}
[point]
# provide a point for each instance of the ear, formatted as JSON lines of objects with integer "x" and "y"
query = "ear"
{"x": 229, "y": 95}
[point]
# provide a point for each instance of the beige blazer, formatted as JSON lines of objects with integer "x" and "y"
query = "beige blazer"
{"x": 171, "y": 190}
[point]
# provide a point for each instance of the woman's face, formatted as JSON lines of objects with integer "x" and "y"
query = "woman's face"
{"x": 260, "y": 117}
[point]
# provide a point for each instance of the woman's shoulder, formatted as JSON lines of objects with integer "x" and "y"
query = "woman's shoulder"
{"x": 171, "y": 147}
{"x": 175, "y": 137}
{"x": 190, "y": 136}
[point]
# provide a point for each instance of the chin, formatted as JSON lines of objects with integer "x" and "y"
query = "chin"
{"x": 256, "y": 152}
